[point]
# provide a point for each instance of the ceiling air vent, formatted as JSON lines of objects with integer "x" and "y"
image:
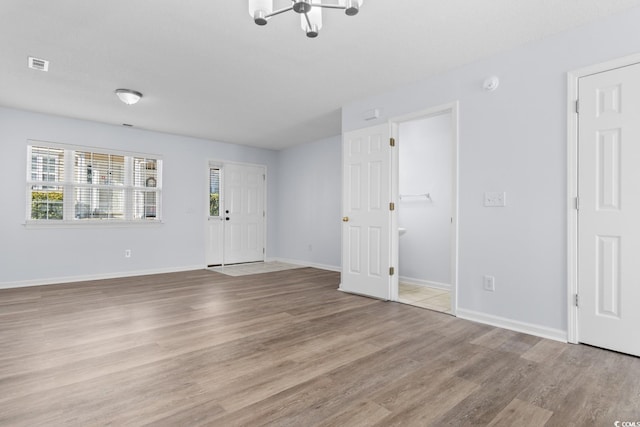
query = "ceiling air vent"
{"x": 38, "y": 64}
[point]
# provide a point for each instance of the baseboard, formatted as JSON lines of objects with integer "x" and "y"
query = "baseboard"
{"x": 513, "y": 325}
{"x": 306, "y": 264}
{"x": 85, "y": 278}
{"x": 427, "y": 283}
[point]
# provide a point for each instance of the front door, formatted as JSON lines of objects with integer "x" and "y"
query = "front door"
{"x": 609, "y": 209}
{"x": 236, "y": 221}
{"x": 244, "y": 213}
{"x": 367, "y": 221}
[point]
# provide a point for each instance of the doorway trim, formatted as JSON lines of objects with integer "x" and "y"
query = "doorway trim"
{"x": 573, "y": 78}
{"x": 451, "y": 108}
{"x": 221, "y": 164}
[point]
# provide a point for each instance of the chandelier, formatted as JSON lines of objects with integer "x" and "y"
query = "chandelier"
{"x": 310, "y": 12}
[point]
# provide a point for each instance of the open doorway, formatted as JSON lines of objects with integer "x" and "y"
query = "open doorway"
{"x": 427, "y": 209}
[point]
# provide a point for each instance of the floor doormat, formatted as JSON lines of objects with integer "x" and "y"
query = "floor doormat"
{"x": 254, "y": 268}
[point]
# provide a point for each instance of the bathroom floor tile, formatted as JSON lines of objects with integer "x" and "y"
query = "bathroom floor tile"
{"x": 425, "y": 297}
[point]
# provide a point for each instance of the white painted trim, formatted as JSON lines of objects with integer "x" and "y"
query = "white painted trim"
{"x": 513, "y": 325}
{"x": 425, "y": 283}
{"x": 306, "y": 264}
{"x": 455, "y": 203}
{"x": 572, "y": 182}
{"x": 452, "y": 108}
{"x": 97, "y": 224}
{"x": 394, "y": 253}
{"x": 572, "y": 213}
{"x": 91, "y": 277}
{"x": 118, "y": 275}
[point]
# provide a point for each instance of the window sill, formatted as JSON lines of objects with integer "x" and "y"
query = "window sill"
{"x": 98, "y": 223}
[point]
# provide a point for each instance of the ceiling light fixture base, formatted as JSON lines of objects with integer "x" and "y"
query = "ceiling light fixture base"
{"x": 302, "y": 6}
{"x": 128, "y": 96}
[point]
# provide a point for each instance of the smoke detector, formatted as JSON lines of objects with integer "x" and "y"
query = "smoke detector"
{"x": 38, "y": 64}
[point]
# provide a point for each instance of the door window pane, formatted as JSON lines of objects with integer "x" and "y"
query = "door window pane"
{"x": 214, "y": 192}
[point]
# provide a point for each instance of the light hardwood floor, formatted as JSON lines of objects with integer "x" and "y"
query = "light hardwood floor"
{"x": 286, "y": 349}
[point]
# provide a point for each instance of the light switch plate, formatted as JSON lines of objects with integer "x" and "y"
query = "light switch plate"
{"x": 495, "y": 199}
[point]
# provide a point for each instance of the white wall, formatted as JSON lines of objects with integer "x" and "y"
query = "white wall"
{"x": 513, "y": 140}
{"x": 424, "y": 153}
{"x": 48, "y": 255}
{"x": 309, "y": 185}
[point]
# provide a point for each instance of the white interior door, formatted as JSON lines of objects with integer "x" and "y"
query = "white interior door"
{"x": 368, "y": 220}
{"x": 244, "y": 213}
{"x": 609, "y": 209}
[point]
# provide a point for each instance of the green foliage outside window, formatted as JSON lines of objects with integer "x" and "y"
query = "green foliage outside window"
{"x": 46, "y": 204}
{"x": 214, "y": 204}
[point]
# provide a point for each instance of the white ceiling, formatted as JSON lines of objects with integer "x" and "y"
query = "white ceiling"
{"x": 206, "y": 70}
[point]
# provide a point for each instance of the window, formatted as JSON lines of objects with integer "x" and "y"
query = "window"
{"x": 214, "y": 191}
{"x": 78, "y": 184}
{"x": 47, "y": 192}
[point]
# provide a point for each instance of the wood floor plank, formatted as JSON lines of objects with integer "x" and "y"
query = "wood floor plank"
{"x": 544, "y": 350}
{"x": 285, "y": 348}
{"x": 420, "y": 400}
{"x": 361, "y": 413}
{"x": 522, "y": 414}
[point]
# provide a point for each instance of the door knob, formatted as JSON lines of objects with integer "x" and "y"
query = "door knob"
{"x": 345, "y": 219}
{"x": 227, "y": 218}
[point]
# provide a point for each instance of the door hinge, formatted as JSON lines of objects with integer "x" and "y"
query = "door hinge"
{"x": 575, "y": 300}
{"x": 392, "y": 142}
{"x": 392, "y": 271}
{"x": 264, "y": 214}
{"x": 263, "y": 251}
{"x": 577, "y": 106}
{"x": 264, "y": 177}
{"x": 577, "y": 203}
{"x": 392, "y": 206}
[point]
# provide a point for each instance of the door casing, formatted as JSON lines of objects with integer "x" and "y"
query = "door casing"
{"x": 452, "y": 109}
{"x": 221, "y": 164}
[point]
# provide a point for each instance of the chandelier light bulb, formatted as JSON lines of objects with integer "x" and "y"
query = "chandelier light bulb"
{"x": 352, "y": 7}
{"x": 311, "y": 22}
{"x": 260, "y": 10}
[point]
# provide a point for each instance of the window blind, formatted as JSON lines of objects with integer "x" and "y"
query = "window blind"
{"x": 79, "y": 184}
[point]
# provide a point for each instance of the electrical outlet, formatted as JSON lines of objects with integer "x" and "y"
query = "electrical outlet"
{"x": 489, "y": 283}
{"x": 127, "y": 253}
{"x": 495, "y": 199}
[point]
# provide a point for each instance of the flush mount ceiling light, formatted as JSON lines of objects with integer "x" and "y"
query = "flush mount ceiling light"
{"x": 128, "y": 96}
{"x": 310, "y": 12}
